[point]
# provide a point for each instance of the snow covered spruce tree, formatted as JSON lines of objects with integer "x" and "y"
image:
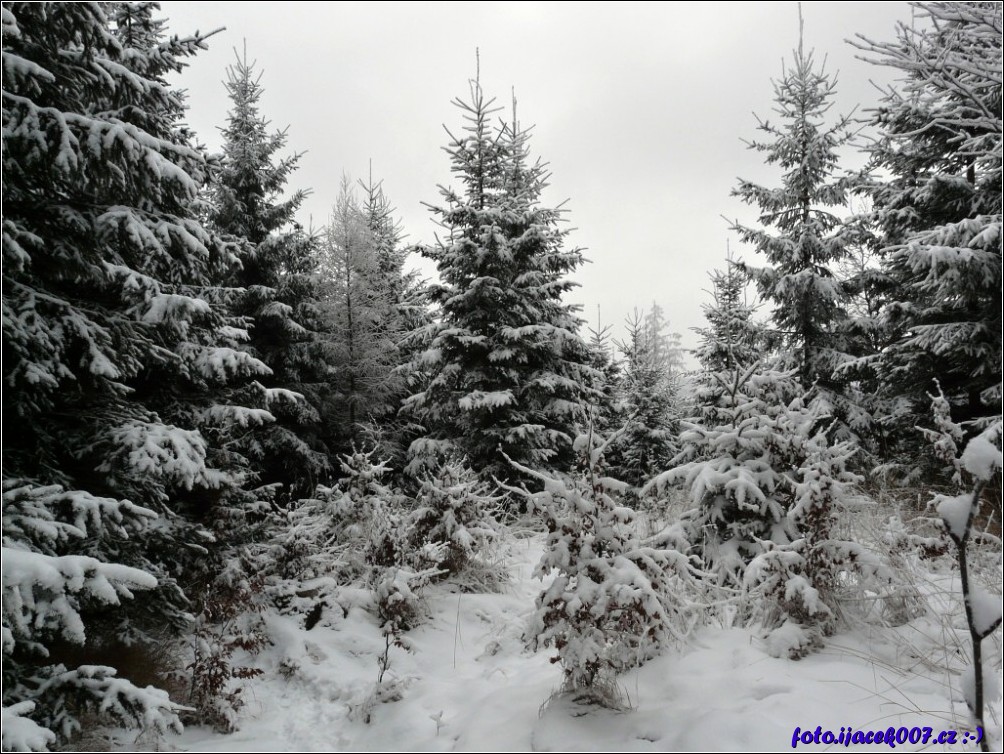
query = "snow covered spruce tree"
{"x": 732, "y": 340}
{"x": 607, "y": 410}
{"x": 111, "y": 324}
{"x": 768, "y": 489}
{"x": 406, "y": 288}
{"x": 799, "y": 236}
{"x": 938, "y": 213}
{"x": 454, "y": 509}
{"x": 507, "y": 368}
{"x": 614, "y": 602}
{"x": 275, "y": 277}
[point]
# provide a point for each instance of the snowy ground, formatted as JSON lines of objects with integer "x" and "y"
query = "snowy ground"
{"x": 469, "y": 685}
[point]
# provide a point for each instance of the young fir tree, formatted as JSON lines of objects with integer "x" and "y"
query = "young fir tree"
{"x": 650, "y": 386}
{"x": 768, "y": 489}
{"x": 111, "y": 324}
{"x": 938, "y": 214}
{"x": 608, "y": 409}
{"x": 766, "y": 484}
{"x": 614, "y": 601}
{"x": 454, "y": 509}
{"x": 277, "y": 260}
{"x": 800, "y": 237}
{"x": 508, "y": 369}
{"x": 731, "y": 343}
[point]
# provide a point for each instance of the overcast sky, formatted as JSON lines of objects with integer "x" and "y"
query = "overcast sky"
{"x": 640, "y": 111}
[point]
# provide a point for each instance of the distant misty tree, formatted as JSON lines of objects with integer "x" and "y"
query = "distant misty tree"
{"x": 608, "y": 409}
{"x": 365, "y": 318}
{"x": 650, "y": 387}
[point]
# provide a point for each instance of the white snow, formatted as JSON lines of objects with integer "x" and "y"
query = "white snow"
{"x": 21, "y": 733}
{"x": 991, "y": 685}
{"x": 982, "y": 457}
{"x": 483, "y": 399}
{"x": 954, "y": 510}
{"x": 986, "y": 609}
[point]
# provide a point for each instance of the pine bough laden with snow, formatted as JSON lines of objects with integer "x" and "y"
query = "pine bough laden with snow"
{"x": 614, "y": 602}
{"x": 768, "y": 489}
{"x": 112, "y": 330}
{"x": 507, "y": 368}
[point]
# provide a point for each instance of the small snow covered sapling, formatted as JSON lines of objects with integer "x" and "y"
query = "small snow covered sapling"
{"x": 613, "y": 603}
{"x": 769, "y": 487}
{"x": 981, "y": 461}
{"x": 454, "y": 510}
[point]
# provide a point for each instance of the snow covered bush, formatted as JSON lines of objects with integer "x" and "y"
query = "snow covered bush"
{"x": 454, "y": 508}
{"x": 614, "y": 602}
{"x": 331, "y": 538}
{"x": 229, "y": 622}
{"x": 357, "y": 532}
{"x": 768, "y": 487}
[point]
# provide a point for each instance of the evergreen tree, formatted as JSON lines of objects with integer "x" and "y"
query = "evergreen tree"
{"x": 507, "y": 367}
{"x": 734, "y": 460}
{"x": 614, "y": 601}
{"x": 800, "y": 237}
{"x": 277, "y": 260}
{"x": 454, "y": 511}
{"x": 768, "y": 489}
{"x": 731, "y": 343}
{"x": 938, "y": 214}
{"x": 767, "y": 485}
{"x": 653, "y": 367}
{"x": 608, "y": 410}
{"x": 111, "y": 324}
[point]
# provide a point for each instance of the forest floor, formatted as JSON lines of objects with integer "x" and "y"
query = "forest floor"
{"x": 469, "y": 684}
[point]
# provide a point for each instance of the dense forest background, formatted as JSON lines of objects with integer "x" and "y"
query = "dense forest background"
{"x": 215, "y": 415}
